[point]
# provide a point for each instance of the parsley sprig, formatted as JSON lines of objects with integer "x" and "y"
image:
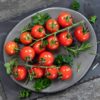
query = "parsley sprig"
{"x": 75, "y": 5}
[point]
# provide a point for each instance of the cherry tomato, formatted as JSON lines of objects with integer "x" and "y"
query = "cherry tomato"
{"x": 25, "y": 38}
{"x": 27, "y": 53}
{"x": 38, "y": 31}
{"x": 38, "y": 47}
{"x": 65, "y": 72}
{"x": 11, "y": 47}
{"x": 53, "y": 43}
{"x": 36, "y": 72}
{"x": 65, "y": 38}
{"x": 52, "y": 25}
{"x": 51, "y": 73}
{"x": 81, "y": 34}
{"x": 65, "y": 19}
{"x": 20, "y": 73}
{"x": 46, "y": 58}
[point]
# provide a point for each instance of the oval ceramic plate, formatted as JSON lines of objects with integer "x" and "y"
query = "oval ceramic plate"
{"x": 85, "y": 58}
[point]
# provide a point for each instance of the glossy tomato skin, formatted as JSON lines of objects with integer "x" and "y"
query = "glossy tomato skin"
{"x": 51, "y": 73}
{"x": 27, "y": 53}
{"x": 65, "y": 72}
{"x": 46, "y": 58}
{"x": 37, "y": 72}
{"x": 20, "y": 73}
{"x": 53, "y": 43}
{"x": 52, "y": 25}
{"x": 65, "y": 19}
{"x": 80, "y": 35}
{"x": 11, "y": 47}
{"x": 25, "y": 38}
{"x": 38, "y": 48}
{"x": 65, "y": 38}
{"x": 38, "y": 31}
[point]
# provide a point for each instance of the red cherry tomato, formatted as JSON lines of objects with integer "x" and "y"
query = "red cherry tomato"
{"x": 81, "y": 34}
{"x": 65, "y": 72}
{"x": 52, "y": 25}
{"x": 38, "y": 47}
{"x": 65, "y": 38}
{"x": 51, "y": 73}
{"x": 25, "y": 38}
{"x": 27, "y": 53}
{"x": 46, "y": 58}
{"x": 65, "y": 19}
{"x": 11, "y": 47}
{"x": 38, "y": 31}
{"x": 36, "y": 72}
{"x": 53, "y": 43}
{"x": 20, "y": 73}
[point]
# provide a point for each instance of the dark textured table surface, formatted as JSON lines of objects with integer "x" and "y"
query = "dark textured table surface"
{"x": 86, "y": 91}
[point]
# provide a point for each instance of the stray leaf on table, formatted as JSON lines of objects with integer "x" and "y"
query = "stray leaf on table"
{"x": 93, "y": 19}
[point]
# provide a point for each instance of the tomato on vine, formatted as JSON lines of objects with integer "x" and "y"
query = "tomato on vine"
{"x": 39, "y": 47}
{"x": 20, "y": 72}
{"x": 81, "y": 34}
{"x": 51, "y": 73}
{"x": 53, "y": 43}
{"x": 25, "y": 38}
{"x": 11, "y": 47}
{"x": 27, "y": 53}
{"x": 38, "y": 31}
{"x": 36, "y": 72}
{"x": 52, "y": 25}
{"x": 65, "y": 19}
{"x": 65, "y": 72}
{"x": 65, "y": 38}
{"x": 46, "y": 58}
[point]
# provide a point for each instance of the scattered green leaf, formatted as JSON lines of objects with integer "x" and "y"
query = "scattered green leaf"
{"x": 75, "y": 5}
{"x": 93, "y": 19}
{"x": 63, "y": 59}
{"x": 9, "y": 66}
{"x": 41, "y": 83}
{"x": 24, "y": 94}
{"x": 17, "y": 40}
{"x": 40, "y": 18}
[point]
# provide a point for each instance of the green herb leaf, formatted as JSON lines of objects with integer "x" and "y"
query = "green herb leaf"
{"x": 27, "y": 27}
{"x": 93, "y": 19}
{"x": 40, "y": 18}
{"x": 9, "y": 66}
{"x": 24, "y": 94}
{"x": 75, "y": 5}
{"x": 76, "y": 50}
{"x": 41, "y": 83}
{"x": 17, "y": 40}
{"x": 62, "y": 59}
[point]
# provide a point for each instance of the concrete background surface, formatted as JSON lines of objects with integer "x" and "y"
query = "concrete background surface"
{"x": 86, "y": 91}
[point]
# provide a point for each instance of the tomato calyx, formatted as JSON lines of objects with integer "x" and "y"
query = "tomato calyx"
{"x": 52, "y": 42}
{"x": 42, "y": 61}
{"x": 28, "y": 58}
{"x": 84, "y": 30}
{"x": 40, "y": 29}
{"x": 67, "y": 18}
{"x": 53, "y": 25}
{"x": 16, "y": 49}
{"x": 59, "y": 75}
{"x": 68, "y": 36}
{"x": 28, "y": 37}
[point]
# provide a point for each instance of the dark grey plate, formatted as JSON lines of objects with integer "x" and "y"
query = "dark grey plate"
{"x": 85, "y": 58}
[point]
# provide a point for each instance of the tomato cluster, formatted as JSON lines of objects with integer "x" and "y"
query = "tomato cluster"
{"x": 42, "y": 51}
